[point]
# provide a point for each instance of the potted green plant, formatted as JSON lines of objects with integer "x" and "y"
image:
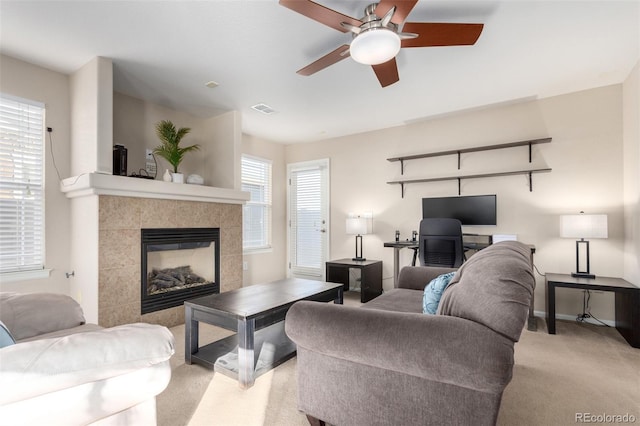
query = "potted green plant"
{"x": 170, "y": 148}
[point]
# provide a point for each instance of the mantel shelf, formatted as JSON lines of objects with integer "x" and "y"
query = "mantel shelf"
{"x": 461, "y": 151}
{"x": 529, "y": 172}
{"x": 89, "y": 184}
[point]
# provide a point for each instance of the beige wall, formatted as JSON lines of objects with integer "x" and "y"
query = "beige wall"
{"x": 631, "y": 121}
{"x": 585, "y": 155}
{"x": 134, "y": 123}
{"x": 28, "y": 81}
{"x": 269, "y": 265}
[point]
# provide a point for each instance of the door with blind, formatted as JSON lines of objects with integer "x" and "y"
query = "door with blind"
{"x": 308, "y": 218}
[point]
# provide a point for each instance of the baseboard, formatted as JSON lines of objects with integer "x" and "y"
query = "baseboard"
{"x": 543, "y": 315}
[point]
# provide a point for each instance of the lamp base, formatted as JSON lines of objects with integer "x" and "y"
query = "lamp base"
{"x": 582, "y": 275}
{"x": 358, "y": 259}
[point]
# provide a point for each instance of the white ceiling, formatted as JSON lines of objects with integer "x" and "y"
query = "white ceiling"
{"x": 165, "y": 52}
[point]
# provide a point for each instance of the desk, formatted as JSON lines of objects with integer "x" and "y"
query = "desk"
{"x": 397, "y": 246}
{"x": 337, "y": 271}
{"x": 627, "y": 302}
{"x": 470, "y": 244}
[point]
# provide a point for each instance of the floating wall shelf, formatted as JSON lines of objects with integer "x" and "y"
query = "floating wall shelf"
{"x": 461, "y": 151}
{"x": 529, "y": 172}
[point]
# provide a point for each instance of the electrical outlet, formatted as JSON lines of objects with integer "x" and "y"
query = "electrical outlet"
{"x": 149, "y": 154}
{"x": 245, "y": 266}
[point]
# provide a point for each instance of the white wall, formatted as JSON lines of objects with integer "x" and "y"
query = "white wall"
{"x": 91, "y": 91}
{"x": 28, "y": 81}
{"x": 631, "y": 136}
{"x": 269, "y": 265}
{"x": 585, "y": 155}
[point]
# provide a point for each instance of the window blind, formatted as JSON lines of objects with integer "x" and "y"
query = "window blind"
{"x": 21, "y": 185}
{"x": 306, "y": 220}
{"x": 256, "y": 221}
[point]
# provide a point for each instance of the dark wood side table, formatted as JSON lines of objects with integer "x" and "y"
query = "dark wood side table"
{"x": 627, "y": 302}
{"x": 337, "y": 271}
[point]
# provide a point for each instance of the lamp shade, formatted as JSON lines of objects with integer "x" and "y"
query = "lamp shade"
{"x": 375, "y": 46}
{"x": 583, "y": 226}
{"x": 356, "y": 226}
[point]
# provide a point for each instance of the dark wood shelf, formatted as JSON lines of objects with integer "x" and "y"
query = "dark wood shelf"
{"x": 461, "y": 151}
{"x": 459, "y": 178}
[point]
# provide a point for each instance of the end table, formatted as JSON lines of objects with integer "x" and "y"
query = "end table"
{"x": 337, "y": 271}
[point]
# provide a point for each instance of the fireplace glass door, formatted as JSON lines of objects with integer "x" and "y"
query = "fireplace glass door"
{"x": 177, "y": 265}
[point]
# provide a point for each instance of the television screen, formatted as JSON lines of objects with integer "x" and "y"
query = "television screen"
{"x": 470, "y": 210}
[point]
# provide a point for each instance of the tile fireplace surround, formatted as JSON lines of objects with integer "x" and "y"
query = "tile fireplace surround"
{"x": 121, "y": 216}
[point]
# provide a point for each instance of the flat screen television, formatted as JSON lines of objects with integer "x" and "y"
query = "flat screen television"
{"x": 470, "y": 210}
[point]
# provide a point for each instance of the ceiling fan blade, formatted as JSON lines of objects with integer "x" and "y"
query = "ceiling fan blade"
{"x": 441, "y": 34}
{"x": 387, "y": 72}
{"x": 330, "y": 58}
{"x": 322, "y": 14}
{"x": 403, "y": 8}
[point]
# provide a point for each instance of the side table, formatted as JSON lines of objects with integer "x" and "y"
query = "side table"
{"x": 627, "y": 302}
{"x": 337, "y": 271}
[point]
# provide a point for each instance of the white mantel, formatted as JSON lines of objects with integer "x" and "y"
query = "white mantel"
{"x": 90, "y": 242}
{"x": 105, "y": 184}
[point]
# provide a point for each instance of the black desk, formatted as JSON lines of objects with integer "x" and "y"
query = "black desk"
{"x": 337, "y": 271}
{"x": 397, "y": 246}
{"x": 627, "y": 302}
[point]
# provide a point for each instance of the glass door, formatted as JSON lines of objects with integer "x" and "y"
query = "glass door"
{"x": 308, "y": 218}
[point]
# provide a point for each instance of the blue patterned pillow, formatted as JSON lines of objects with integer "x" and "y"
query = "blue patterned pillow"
{"x": 6, "y": 339}
{"x": 433, "y": 292}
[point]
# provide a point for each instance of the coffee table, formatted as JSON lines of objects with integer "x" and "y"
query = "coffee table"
{"x": 257, "y": 314}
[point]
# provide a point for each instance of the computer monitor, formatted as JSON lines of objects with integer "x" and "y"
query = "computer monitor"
{"x": 470, "y": 210}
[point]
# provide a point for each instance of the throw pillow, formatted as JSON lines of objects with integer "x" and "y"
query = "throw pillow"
{"x": 433, "y": 292}
{"x": 6, "y": 339}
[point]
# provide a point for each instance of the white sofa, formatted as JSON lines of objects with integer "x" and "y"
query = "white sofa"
{"x": 62, "y": 371}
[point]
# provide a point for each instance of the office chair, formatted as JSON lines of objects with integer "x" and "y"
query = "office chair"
{"x": 441, "y": 243}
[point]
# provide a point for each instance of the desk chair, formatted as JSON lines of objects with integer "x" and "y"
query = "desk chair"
{"x": 441, "y": 243}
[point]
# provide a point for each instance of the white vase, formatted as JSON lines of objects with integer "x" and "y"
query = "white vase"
{"x": 166, "y": 176}
{"x": 177, "y": 177}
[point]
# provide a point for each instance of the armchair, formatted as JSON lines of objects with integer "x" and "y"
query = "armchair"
{"x": 64, "y": 371}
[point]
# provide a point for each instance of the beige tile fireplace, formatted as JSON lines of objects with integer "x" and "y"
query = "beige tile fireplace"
{"x": 108, "y": 278}
{"x": 121, "y": 219}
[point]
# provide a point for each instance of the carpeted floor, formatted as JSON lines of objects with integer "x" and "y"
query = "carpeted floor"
{"x": 582, "y": 369}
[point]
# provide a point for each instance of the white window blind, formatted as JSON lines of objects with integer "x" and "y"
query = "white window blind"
{"x": 306, "y": 219}
{"x": 256, "y": 220}
{"x": 21, "y": 185}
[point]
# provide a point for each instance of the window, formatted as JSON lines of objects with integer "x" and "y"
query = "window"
{"x": 256, "y": 220}
{"x": 21, "y": 185}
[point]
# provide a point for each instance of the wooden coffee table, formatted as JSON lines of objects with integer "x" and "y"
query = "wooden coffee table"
{"x": 257, "y": 314}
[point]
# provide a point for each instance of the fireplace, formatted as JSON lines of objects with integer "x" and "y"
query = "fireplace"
{"x": 178, "y": 264}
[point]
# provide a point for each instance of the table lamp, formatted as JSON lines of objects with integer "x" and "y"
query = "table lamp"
{"x": 357, "y": 226}
{"x": 583, "y": 226}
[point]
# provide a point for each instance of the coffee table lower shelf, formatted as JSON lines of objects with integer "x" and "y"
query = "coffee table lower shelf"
{"x": 272, "y": 347}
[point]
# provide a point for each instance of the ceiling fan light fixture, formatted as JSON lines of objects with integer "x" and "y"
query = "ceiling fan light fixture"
{"x": 375, "y": 46}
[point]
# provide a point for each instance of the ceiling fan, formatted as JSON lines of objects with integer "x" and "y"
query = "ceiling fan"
{"x": 377, "y": 37}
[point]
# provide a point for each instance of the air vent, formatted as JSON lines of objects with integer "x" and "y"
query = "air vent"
{"x": 263, "y": 108}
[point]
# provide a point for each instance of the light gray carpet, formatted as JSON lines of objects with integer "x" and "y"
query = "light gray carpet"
{"x": 582, "y": 369}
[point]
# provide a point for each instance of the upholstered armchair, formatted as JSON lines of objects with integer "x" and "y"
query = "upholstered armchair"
{"x": 63, "y": 371}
